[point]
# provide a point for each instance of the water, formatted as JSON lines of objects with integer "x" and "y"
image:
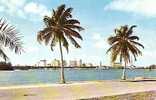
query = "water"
{"x": 52, "y": 76}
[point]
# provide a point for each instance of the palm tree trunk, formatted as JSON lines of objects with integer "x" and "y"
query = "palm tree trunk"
{"x": 62, "y": 64}
{"x": 124, "y": 73}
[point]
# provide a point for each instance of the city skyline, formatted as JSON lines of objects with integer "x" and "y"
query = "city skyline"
{"x": 67, "y": 63}
{"x": 99, "y": 20}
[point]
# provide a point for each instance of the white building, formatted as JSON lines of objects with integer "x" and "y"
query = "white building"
{"x": 72, "y": 63}
{"x": 42, "y": 63}
{"x": 55, "y": 63}
{"x": 79, "y": 63}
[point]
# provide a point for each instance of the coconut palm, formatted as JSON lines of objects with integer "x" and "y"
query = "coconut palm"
{"x": 58, "y": 28}
{"x": 9, "y": 38}
{"x": 124, "y": 46}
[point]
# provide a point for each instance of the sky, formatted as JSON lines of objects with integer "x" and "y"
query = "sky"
{"x": 98, "y": 17}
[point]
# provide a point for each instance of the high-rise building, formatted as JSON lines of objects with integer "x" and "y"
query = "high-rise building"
{"x": 42, "y": 63}
{"x": 75, "y": 63}
{"x": 79, "y": 63}
{"x": 55, "y": 63}
{"x": 72, "y": 63}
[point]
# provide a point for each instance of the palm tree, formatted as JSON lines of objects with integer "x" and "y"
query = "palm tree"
{"x": 124, "y": 46}
{"x": 58, "y": 28}
{"x": 9, "y": 38}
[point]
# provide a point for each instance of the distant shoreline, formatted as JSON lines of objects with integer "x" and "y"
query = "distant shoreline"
{"x": 73, "y": 67}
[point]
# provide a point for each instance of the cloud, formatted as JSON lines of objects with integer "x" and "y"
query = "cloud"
{"x": 12, "y": 6}
{"x": 99, "y": 41}
{"x": 23, "y": 9}
{"x": 142, "y": 7}
{"x": 37, "y": 9}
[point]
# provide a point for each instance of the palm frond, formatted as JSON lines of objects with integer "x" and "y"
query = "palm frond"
{"x": 10, "y": 37}
{"x": 113, "y": 39}
{"x": 74, "y": 42}
{"x": 130, "y": 31}
{"x": 133, "y": 38}
{"x": 53, "y": 42}
{"x": 75, "y": 27}
{"x": 49, "y": 21}
{"x": 59, "y": 11}
{"x": 65, "y": 43}
{"x": 67, "y": 13}
{"x": 72, "y": 21}
{"x": 3, "y": 55}
{"x": 137, "y": 43}
{"x": 71, "y": 32}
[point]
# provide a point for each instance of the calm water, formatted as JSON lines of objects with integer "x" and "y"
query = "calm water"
{"x": 52, "y": 76}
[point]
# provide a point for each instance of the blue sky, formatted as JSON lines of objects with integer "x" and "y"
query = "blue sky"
{"x": 98, "y": 17}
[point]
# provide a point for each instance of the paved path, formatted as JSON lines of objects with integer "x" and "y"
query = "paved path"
{"x": 75, "y": 90}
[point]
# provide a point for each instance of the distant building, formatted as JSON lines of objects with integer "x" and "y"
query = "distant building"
{"x": 72, "y": 63}
{"x": 83, "y": 65}
{"x": 35, "y": 65}
{"x": 79, "y": 63}
{"x": 116, "y": 65}
{"x": 65, "y": 63}
{"x": 89, "y": 65}
{"x": 55, "y": 63}
{"x": 42, "y": 63}
{"x": 75, "y": 63}
{"x": 100, "y": 63}
{"x": 48, "y": 64}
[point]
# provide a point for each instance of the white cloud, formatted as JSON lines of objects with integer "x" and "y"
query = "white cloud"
{"x": 37, "y": 9}
{"x": 99, "y": 41}
{"x": 143, "y": 7}
{"x": 23, "y": 8}
{"x": 11, "y": 6}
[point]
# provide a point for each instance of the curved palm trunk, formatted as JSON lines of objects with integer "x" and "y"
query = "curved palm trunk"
{"x": 124, "y": 73}
{"x": 62, "y": 64}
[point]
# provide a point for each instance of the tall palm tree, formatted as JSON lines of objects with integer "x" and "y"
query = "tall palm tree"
{"x": 124, "y": 46}
{"x": 9, "y": 38}
{"x": 58, "y": 28}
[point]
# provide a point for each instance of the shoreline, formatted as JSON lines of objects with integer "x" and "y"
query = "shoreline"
{"x": 80, "y": 90}
{"x": 38, "y": 85}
